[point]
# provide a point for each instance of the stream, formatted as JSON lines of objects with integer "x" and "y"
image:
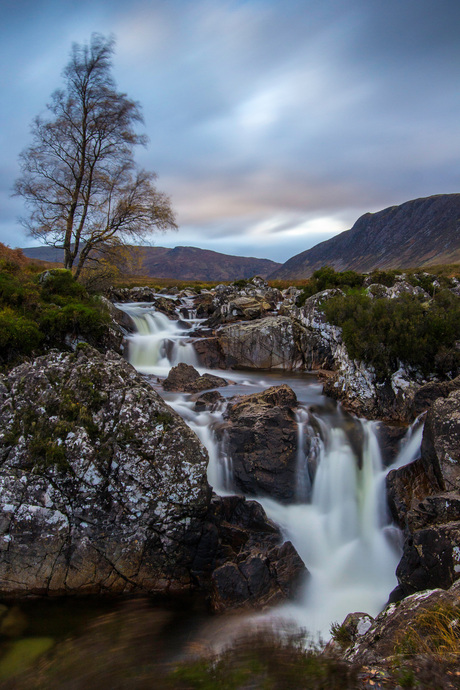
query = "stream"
{"x": 339, "y": 523}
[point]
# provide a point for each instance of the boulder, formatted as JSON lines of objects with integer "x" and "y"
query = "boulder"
{"x": 186, "y": 378}
{"x": 269, "y": 343}
{"x": 103, "y": 486}
{"x": 261, "y": 433}
{"x": 431, "y": 391}
{"x": 406, "y": 487}
{"x": 251, "y": 566}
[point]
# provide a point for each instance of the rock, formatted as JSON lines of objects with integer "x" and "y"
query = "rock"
{"x": 441, "y": 441}
{"x": 399, "y": 623}
{"x": 240, "y": 308}
{"x": 251, "y": 565}
{"x": 135, "y": 294}
{"x": 431, "y": 391}
{"x": 269, "y": 343}
{"x": 431, "y": 558}
{"x": 204, "y": 305}
{"x": 406, "y": 487}
{"x": 208, "y": 401}
{"x": 210, "y": 353}
{"x": 390, "y": 437}
{"x": 261, "y": 433}
{"x": 186, "y": 378}
{"x": 103, "y": 486}
{"x": 165, "y": 306}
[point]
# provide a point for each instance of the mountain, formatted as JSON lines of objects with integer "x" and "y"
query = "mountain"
{"x": 184, "y": 263}
{"x": 417, "y": 233}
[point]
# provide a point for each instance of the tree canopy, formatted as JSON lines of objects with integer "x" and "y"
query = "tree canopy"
{"x": 81, "y": 185}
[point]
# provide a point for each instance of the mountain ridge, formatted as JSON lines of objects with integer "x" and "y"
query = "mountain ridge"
{"x": 420, "y": 232}
{"x": 184, "y": 263}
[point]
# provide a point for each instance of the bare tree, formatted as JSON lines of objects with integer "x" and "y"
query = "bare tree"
{"x": 81, "y": 185}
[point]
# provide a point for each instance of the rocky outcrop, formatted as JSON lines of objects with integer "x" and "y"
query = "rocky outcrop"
{"x": 425, "y": 499}
{"x": 103, "y": 486}
{"x": 261, "y": 433}
{"x": 186, "y": 378}
{"x": 401, "y": 628}
{"x": 441, "y": 441}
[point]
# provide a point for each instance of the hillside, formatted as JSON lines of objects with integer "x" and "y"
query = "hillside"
{"x": 421, "y": 232}
{"x": 184, "y": 263}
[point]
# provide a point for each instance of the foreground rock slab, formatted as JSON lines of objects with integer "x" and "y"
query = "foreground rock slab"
{"x": 103, "y": 486}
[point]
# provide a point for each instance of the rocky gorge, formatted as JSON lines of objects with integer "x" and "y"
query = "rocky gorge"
{"x": 106, "y": 489}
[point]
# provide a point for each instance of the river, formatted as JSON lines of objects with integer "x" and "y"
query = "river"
{"x": 339, "y": 523}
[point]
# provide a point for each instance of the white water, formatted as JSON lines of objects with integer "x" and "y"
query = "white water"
{"x": 340, "y": 525}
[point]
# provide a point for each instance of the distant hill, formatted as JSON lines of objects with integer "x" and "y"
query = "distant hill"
{"x": 421, "y": 232}
{"x": 184, "y": 263}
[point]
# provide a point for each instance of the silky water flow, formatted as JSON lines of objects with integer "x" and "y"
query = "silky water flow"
{"x": 339, "y": 523}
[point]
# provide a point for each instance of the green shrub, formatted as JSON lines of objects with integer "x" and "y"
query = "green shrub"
{"x": 326, "y": 278}
{"x": 382, "y": 332}
{"x": 18, "y": 335}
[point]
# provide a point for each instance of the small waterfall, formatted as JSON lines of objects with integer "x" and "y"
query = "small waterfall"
{"x": 159, "y": 343}
{"x": 341, "y": 534}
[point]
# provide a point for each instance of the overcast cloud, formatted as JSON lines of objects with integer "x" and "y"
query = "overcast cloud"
{"x": 273, "y": 124}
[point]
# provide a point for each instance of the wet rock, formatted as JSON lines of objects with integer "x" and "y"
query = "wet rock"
{"x": 406, "y": 487}
{"x": 441, "y": 441}
{"x": 261, "y": 434}
{"x": 251, "y": 566}
{"x": 165, "y": 306}
{"x": 103, "y": 486}
{"x": 208, "y": 401}
{"x": 204, "y": 305}
{"x": 186, "y": 378}
{"x": 210, "y": 353}
{"x": 390, "y": 436}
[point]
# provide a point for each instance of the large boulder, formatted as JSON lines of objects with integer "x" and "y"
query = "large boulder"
{"x": 104, "y": 490}
{"x": 269, "y": 343}
{"x": 261, "y": 433}
{"x": 103, "y": 486}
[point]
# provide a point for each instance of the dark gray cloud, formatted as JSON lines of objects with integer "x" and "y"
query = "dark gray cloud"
{"x": 272, "y": 124}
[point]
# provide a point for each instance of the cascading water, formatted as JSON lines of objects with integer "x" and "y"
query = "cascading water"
{"x": 159, "y": 342}
{"x": 339, "y": 525}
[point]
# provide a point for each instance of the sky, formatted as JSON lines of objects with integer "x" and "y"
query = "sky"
{"x": 272, "y": 124}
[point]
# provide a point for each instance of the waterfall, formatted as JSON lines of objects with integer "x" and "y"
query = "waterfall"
{"x": 341, "y": 534}
{"x": 159, "y": 343}
{"x": 339, "y": 525}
